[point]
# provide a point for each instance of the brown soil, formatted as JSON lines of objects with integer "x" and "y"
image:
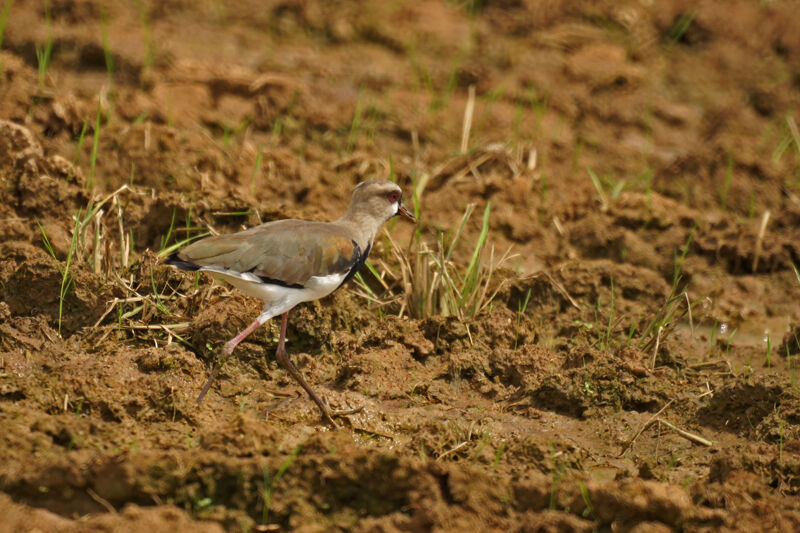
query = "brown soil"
{"x": 686, "y": 113}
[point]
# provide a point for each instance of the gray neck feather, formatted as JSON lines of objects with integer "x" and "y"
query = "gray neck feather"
{"x": 362, "y": 225}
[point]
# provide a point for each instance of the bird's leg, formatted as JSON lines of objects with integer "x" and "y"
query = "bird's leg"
{"x": 227, "y": 350}
{"x": 283, "y": 359}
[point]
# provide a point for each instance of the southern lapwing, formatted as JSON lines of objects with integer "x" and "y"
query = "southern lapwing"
{"x": 287, "y": 262}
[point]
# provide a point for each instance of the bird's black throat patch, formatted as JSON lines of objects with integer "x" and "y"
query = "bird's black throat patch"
{"x": 360, "y": 260}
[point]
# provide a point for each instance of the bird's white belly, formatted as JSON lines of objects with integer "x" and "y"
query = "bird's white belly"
{"x": 279, "y": 299}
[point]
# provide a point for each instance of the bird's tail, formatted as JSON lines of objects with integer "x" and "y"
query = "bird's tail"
{"x": 177, "y": 262}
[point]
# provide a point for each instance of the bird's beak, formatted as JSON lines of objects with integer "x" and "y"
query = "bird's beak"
{"x": 404, "y": 212}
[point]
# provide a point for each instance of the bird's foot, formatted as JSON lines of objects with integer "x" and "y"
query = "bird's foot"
{"x": 327, "y": 416}
{"x": 329, "y": 413}
{"x": 346, "y": 412}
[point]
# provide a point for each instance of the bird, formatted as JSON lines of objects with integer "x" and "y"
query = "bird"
{"x": 288, "y": 262}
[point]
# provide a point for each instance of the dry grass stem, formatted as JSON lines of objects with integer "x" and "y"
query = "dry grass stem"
{"x": 560, "y": 288}
{"x": 452, "y": 450}
{"x": 532, "y": 157}
{"x": 558, "y": 226}
{"x": 646, "y": 425}
{"x": 180, "y": 326}
{"x": 687, "y": 435}
{"x": 689, "y": 309}
{"x": 794, "y": 131}
{"x": 102, "y": 501}
{"x": 760, "y": 239}
{"x": 467, "y": 125}
{"x": 655, "y": 350}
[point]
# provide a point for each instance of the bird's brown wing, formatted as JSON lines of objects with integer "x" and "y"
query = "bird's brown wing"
{"x": 288, "y": 252}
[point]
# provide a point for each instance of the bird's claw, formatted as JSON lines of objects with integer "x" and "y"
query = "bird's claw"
{"x": 329, "y": 413}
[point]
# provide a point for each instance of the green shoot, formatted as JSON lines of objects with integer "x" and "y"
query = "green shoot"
{"x": 109, "y": 57}
{"x": 269, "y": 484}
{"x": 665, "y": 318}
{"x": 729, "y": 342}
{"x": 521, "y": 307}
{"x": 226, "y": 136}
{"x": 460, "y": 229}
{"x": 497, "y": 455}
{"x": 712, "y": 341}
{"x": 392, "y": 175}
{"x": 364, "y": 286}
{"x": 133, "y": 312}
{"x": 188, "y": 226}
{"x": 485, "y": 439}
{"x": 147, "y": 35}
{"x": 159, "y": 304}
{"x": 434, "y": 285}
{"x": 167, "y": 251}
{"x": 768, "y": 356}
{"x": 4, "y": 19}
{"x": 543, "y": 198}
{"x": 631, "y": 331}
{"x": 168, "y": 236}
{"x": 66, "y": 276}
{"x": 256, "y": 171}
{"x": 419, "y": 186}
{"x": 557, "y": 468}
{"x": 723, "y": 193}
{"x": 370, "y": 294}
{"x": 355, "y": 125}
{"x": 43, "y": 55}
{"x": 471, "y": 276}
{"x": 681, "y": 26}
{"x": 610, "y": 318}
{"x": 95, "y": 147}
{"x": 679, "y": 260}
{"x": 81, "y": 139}
{"x": 599, "y": 187}
{"x": 589, "y": 511}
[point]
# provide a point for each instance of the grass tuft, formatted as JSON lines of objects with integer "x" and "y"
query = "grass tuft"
{"x": 4, "y": 19}
{"x": 107, "y": 55}
{"x": 435, "y": 285}
{"x": 44, "y": 55}
{"x": 522, "y": 306}
{"x": 269, "y": 484}
{"x": 95, "y": 148}
{"x": 66, "y": 275}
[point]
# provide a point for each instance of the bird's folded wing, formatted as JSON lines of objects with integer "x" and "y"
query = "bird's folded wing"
{"x": 286, "y": 252}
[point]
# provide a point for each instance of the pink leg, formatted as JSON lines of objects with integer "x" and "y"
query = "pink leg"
{"x": 283, "y": 359}
{"x": 227, "y": 350}
{"x": 234, "y": 342}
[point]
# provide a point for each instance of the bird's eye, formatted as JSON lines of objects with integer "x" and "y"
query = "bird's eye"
{"x": 393, "y": 196}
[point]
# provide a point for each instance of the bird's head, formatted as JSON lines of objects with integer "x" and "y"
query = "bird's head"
{"x": 380, "y": 199}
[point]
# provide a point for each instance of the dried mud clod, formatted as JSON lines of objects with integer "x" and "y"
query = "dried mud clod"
{"x": 743, "y": 405}
{"x": 30, "y": 282}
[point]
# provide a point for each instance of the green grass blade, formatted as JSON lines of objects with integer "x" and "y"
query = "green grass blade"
{"x": 454, "y": 240}
{"x": 471, "y": 274}
{"x": 166, "y": 251}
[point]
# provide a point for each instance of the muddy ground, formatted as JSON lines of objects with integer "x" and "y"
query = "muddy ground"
{"x": 636, "y": 370}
